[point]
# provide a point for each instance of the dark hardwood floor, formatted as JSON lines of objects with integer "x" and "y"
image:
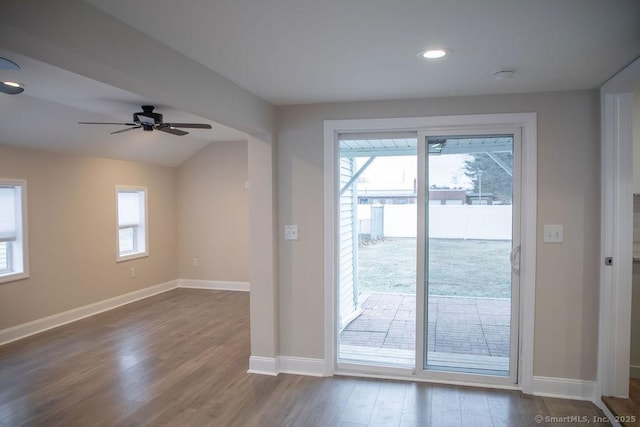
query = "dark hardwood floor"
{"x": 180, "y": 359}
{"x": 628, "y": 410}
{"x": 634, "y": 391}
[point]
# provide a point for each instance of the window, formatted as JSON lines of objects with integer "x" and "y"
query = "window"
{"x": 132, "y": 222}
{"x": 13, "y": 230}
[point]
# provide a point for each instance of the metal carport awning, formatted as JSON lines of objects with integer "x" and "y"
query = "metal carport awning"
{"x": 378, "y": 144}
{"x": 405, "y": 144}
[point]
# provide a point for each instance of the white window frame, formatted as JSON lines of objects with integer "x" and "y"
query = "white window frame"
{"x": 141, "y": 228}
{"x": 17, "y": 252}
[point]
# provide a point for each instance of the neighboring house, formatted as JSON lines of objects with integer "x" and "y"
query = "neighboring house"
{"x": 386, "y": 197}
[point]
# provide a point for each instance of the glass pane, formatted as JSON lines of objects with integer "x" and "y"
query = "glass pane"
{"x": 8, "y": 213}
{"x": 468, "y": 296}
{"x": 5, "y": 263}
{"x": 127, "y": 240}
{"x": 377, "y": 252}
{"x": 130, "y": 207}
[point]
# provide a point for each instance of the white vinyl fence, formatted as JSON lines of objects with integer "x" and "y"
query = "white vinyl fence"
{"x": 483, "y": 222}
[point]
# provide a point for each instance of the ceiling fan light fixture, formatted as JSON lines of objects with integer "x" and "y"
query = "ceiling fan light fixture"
{"x": 11, "y": 88}
{"x": 433, "y": 53}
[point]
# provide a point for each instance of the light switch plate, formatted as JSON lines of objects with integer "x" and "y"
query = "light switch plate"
{"x": 553, "y": 233}
{"x": 290, "y": 232}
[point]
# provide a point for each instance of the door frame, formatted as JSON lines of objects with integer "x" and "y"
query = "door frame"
{"x": 514, "y": 377}
{"x": 528, "y": 123}
{"x": 616, "y": 216}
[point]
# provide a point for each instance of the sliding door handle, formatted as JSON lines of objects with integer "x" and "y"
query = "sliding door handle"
{"x": 514, "y": 257}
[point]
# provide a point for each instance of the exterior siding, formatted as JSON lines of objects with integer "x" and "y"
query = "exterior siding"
{"x": 348, "y": 245}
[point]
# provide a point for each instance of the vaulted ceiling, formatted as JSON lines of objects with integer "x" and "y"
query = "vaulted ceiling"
{"x": 228, "y": 62}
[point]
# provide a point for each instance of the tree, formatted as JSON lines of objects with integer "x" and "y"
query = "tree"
{"x": 495, "y": 179}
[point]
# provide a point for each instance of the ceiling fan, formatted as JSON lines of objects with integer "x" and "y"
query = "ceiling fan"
{"x": 148, "y": 121}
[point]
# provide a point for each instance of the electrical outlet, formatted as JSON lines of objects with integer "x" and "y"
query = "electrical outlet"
{"x": 196, "y": 262}
{"x": 132, "y": 272}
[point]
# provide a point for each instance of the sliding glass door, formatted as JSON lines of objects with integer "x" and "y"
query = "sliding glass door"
{"x": 428, "y": 254}
{"x": 468, "y": 255}
{"x": 377, "y": 250}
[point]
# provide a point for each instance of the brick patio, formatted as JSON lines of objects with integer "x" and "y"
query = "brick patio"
{"x": 464, "y": 326}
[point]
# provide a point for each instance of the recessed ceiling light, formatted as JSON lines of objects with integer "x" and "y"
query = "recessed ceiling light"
{"x": 433, "y": 53}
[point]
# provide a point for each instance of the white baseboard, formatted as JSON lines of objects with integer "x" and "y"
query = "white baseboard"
{"x": 263, "y": 365}
{"x": 40, "y": 325}
{"x": 634, "y": 371}
{"x": 564, "y": 388}
{"x": 286, "y": 365}
{"x": 301, "y": 366}
{"x": 214, "y": 285}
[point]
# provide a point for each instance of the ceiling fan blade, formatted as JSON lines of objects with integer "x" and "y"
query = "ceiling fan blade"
{"x": 125, "y": 130}
{"x": 107, "y": 123}
{"x": 189, "y": 125}
{"x": 173, "y": 131}
{"x": 7, "y": 64}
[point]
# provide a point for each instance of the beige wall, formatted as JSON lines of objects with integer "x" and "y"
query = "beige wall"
{"x": 636, "y": 140}
{"x": 262, "y": 250}
{"x": 568, "y": 193}
{"x": 635, "y": 319}
{"x": 213, "y": 213}
{"x": 199, "y": 210}
{"x": 635, "y": 301}
{"x": 72, "y": 234}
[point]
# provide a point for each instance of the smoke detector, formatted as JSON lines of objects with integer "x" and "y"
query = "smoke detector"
{"x": 505, "y": 74}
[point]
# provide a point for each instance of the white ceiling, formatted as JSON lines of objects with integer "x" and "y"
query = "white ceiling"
{"x": 308, "y": 51}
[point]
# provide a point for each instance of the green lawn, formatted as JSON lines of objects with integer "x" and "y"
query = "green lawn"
{"x": 456, "y": 267}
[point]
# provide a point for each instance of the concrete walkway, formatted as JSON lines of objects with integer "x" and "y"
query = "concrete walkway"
{"x": 456, "y": 325}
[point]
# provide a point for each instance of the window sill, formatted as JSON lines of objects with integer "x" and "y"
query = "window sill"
{"x": 132, "y": 256}
{"x": 12, "y": 277}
